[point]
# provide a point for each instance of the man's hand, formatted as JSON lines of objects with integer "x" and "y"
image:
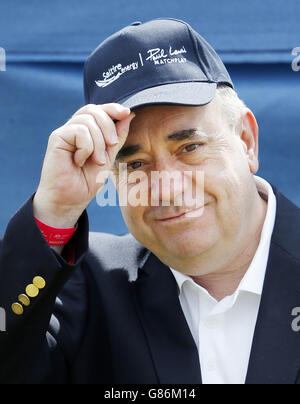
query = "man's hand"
{"x": 77, "y": 153}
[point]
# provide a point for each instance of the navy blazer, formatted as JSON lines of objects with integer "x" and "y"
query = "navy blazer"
{"x": 115, "y": 316}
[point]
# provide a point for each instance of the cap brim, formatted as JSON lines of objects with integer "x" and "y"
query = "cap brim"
{"x": 188, "y": 94}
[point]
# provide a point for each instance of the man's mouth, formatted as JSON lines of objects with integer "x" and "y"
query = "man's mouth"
{"x": 192, "y": 213}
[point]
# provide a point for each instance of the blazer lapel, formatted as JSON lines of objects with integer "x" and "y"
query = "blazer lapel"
{"x": 275, "y": 356}
{"x": 173, "y": 350}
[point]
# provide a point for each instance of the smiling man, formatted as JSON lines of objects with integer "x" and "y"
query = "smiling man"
{"x": 225, "y": 235}
{"x": 203, "y": 288}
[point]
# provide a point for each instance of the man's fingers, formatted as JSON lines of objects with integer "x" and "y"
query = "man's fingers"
{"x": 103, "y": 121}
{"x": 122, "y": 128}
{"x": 91, "y": 132}
{"x": 76, "y": 139}
{"x": 83, "y": 143}
{"x": 114, "y": 111}
{"x": 99, "y": 155}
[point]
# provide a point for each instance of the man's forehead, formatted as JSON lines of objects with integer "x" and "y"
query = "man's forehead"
{"x": 160, "y": 119}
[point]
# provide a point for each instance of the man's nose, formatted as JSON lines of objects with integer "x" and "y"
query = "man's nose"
{"x": 167, "y": 186}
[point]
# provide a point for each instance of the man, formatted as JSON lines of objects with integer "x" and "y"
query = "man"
{"x": 203, "y": 289}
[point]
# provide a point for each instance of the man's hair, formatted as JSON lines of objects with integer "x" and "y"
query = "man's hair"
{"x": 231, "y": 105}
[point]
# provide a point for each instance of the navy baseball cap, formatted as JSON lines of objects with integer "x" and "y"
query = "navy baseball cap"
{"x": 163, "y": 61}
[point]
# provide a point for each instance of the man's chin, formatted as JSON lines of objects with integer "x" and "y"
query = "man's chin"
{"x": 184, "y": 248}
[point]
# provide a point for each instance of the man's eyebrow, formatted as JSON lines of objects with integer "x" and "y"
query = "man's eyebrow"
{"x": 185, "y": 134}
{"x": 128, "y": 151}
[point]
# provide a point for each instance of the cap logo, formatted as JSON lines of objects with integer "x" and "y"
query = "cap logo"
{"x": 158, "y": 56}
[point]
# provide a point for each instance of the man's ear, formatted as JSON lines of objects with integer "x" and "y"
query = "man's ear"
{"x": 249, "y": 137}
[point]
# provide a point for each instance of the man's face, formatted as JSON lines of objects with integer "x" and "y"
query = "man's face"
{"x": 168, "y": 139}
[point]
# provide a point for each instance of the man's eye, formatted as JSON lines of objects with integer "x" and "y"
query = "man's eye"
{"x": 135, "y": 165}
{"x": 191, "y": 147}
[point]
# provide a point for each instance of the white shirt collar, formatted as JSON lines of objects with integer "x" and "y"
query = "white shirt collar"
{"x": 253, "y": 280}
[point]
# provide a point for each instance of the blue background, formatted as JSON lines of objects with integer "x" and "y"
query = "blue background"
{"x": 46, "y": 44}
